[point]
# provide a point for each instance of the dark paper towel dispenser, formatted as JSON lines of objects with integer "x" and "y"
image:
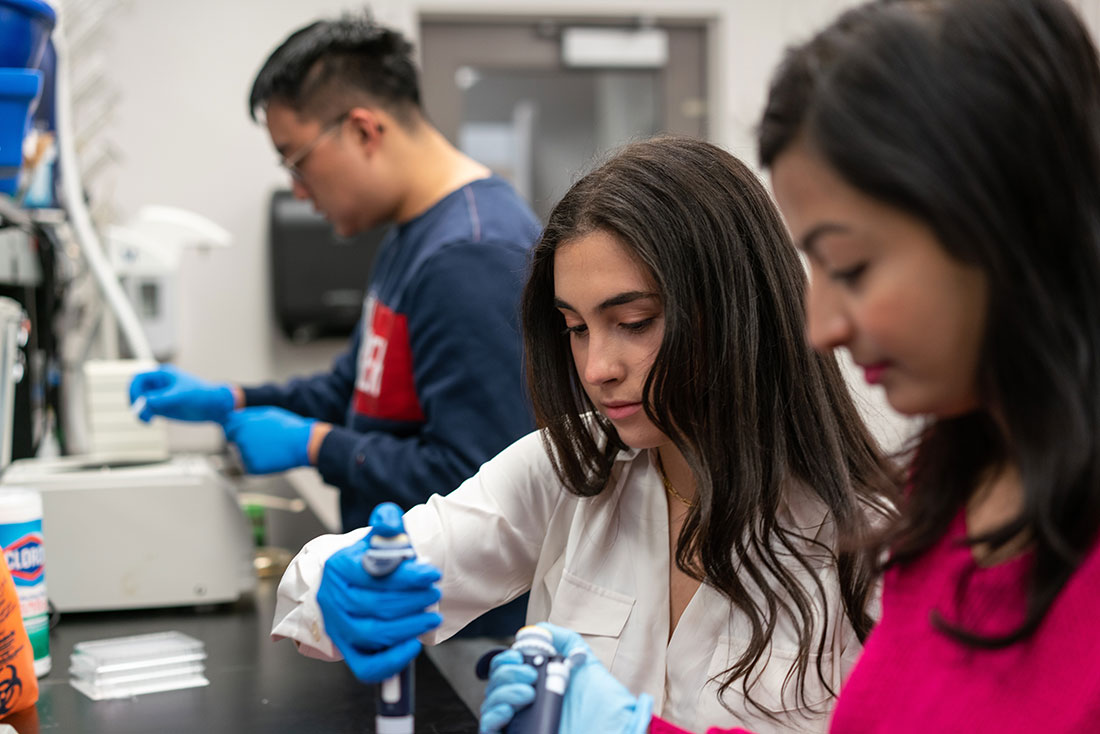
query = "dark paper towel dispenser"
{"x": 318, "y": 278}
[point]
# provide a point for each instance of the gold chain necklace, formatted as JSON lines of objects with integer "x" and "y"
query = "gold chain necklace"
{"x": 668, "y": 485}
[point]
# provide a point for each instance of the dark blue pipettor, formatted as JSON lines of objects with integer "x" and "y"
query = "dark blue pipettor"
{"x": 543, "y": 716}
{"x": 387, "y": 547}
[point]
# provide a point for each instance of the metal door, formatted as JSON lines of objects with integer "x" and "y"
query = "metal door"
{"x": 509, "y": 93}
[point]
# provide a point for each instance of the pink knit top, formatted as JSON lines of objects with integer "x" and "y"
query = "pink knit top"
{"x": 912, "y": 678}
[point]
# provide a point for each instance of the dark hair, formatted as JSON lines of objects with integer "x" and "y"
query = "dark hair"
{"x": 734, "y": 385}
{"x": 982, "y": 118}
{"x": 329, "y": 66}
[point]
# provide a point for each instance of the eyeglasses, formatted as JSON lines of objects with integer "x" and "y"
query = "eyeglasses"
{"x": 293, "y": 163}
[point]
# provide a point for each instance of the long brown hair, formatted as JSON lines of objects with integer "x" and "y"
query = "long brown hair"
{"x": 982, "y": 119}
{"x": 734, "y": 385}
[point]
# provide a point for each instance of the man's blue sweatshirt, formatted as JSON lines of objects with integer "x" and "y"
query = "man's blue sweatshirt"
{"x": 431, "y": 385}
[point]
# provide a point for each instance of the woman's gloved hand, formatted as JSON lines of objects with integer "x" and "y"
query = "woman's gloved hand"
{"x": 594, "y": 700}
{"x": 511, "y": 687}
{"x": 173, "y": 393}
{"x": 270, "y": 439}
{"x": 374, "y": 622}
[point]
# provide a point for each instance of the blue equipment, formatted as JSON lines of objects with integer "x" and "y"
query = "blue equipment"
{"x": 25, "y": 27}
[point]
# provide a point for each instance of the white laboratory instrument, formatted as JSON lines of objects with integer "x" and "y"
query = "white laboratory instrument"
{"x": 132, "y": 535}
{"x": 13, "y": 335}
{"x": 146, "y": 254}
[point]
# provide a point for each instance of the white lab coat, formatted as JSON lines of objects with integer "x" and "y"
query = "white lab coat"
{"x": 600, "y": 566}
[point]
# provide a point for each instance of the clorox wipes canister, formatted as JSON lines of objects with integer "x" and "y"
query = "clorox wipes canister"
{"x": 24, "y": 551}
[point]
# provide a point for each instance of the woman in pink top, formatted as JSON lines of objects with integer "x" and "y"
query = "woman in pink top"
{"x": 938, "y": 161}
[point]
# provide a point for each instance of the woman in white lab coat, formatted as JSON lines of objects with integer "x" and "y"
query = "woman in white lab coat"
{"x": 696, "y": 464}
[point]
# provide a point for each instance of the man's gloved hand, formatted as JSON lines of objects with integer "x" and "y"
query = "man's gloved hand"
{"x": 270, "y": 439}
{"x": 594, "y": 700}
{"x": 374, "y": 622}
{"x": 173, "y": 393}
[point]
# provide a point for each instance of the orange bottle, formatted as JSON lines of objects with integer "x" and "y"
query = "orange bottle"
{"x": 18, "y": 683}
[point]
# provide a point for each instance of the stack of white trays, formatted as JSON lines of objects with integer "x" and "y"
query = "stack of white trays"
{"x": 129, "y": 666}
{"x": 114, "y": 431}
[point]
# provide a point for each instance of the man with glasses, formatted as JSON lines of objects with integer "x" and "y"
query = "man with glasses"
{"x": 431, "y": 385}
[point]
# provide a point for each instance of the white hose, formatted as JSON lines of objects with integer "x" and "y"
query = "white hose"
{"x": 72, "y": 197}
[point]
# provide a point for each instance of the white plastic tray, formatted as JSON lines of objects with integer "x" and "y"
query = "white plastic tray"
{"x": 121, "y": 667}
{"x": 136, "y": 688}
{"x": 138, "y": 652}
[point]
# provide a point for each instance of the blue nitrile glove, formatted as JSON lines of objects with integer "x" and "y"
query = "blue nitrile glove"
{"x": 374, "y": 622}
{"x": 594, "y": 700}
{"x": 172, "y": 393}
{"x": 270, "y": 439}
{"x": 511, "y": 687}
